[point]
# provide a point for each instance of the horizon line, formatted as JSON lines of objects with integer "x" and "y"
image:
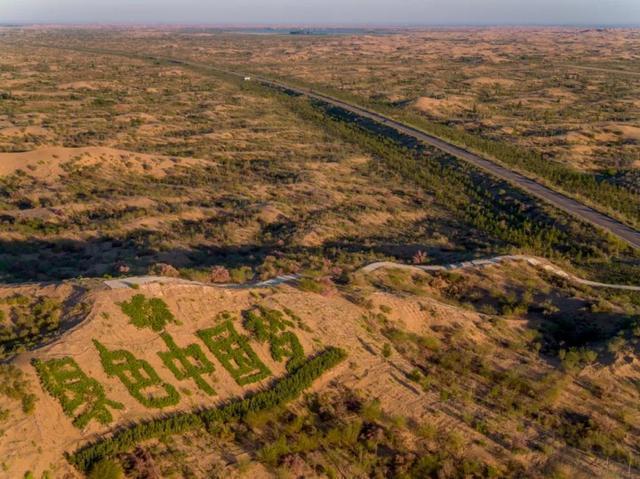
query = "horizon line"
{"x": 293, "y": 24}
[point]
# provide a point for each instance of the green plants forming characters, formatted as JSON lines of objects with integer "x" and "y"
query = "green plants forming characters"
{"x": 148, "y": 313}
{"x": 284, "y": 390}
{"x": 187, "y": 363}
{"x": 137, "y": 375}
{"x": 233, "y": 352}
{"x": 270, "y": 325}
{"x": 82, "y": 398}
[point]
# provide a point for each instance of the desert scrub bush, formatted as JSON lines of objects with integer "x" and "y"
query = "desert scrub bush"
{"x": 281, "y": 392}
{"x": 575, "y": 359}
{"x": 233, "y": 352}
{"x": 106, "y": 469}
{"x": 242, "y": 274}
{"x": 81, "y": 397}
{"x": 269, "y": 325}
{"x": 138, "y": 376}
{"x": 187, "y": 363}
{"x": 148, "y": 313}
{"x": 338, "y": 436}
{"x": 585, "y": 433}
{"x": 310, "y": 285}
{"x": 29, "y": 320}
{"x": 14, "y": 385}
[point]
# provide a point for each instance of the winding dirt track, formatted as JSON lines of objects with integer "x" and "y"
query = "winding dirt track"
{"x": 292, "y": 278}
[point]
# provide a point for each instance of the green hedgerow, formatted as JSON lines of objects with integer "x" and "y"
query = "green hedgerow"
{"x": 81, "y": 397}
{"x": 234, "y": 353}
{"x": 138, "y": 376}
{"x": 270, "y": 325}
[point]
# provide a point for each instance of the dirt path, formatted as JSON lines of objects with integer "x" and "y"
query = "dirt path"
{"x": 292, "y": 278}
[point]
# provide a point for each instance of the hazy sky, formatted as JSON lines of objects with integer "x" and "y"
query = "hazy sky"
{"x": 324, "y": 11}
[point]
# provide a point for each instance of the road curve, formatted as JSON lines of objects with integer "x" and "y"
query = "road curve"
{"x": 137, "y": 281}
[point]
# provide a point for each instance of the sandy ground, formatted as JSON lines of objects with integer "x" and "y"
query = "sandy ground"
{"x": 47, "y": 163}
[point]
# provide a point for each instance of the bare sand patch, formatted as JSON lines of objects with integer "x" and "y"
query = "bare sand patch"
{"x": 47, "y": 163}
{"x": 17, "y": 131}
{"x": 438, "y": 106}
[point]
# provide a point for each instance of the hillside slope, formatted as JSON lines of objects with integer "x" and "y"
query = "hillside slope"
{"x": 427, "y": 375}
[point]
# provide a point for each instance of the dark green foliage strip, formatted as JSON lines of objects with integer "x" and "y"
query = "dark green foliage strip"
{"x": 65, "y": 381}
{"x": 234, "y": 353}
{"x": 187, "y": 363}
{"x": 148, "y": 313}
{"x": 138, "y": 376}
{"x": 270, "y": 325}
{"x": 283, "y": 391}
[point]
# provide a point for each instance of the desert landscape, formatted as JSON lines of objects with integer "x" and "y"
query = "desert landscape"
{"x": 208, "y": 270}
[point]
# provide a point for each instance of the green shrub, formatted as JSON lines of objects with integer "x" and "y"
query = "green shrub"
{"x": 148, "y": 313}
{"x": 106, "y": 469}
{"x": 178, "y": 362}
{"x": 310, "y": 285}
{"x": 81, "y": 397}
{"x": 137, "y": 375}
{"x": 14, "y": 385}
{"x": 270, "y": 325}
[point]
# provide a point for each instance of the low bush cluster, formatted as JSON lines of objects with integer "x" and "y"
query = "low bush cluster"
{"x": 187, "y": 363}
{"x": 270, "y": 325}
{"x": 148, "y": 313}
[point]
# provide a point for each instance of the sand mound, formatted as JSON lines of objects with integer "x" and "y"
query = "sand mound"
{"x": 438, "y": 107}
{"x": 50, "y": 163}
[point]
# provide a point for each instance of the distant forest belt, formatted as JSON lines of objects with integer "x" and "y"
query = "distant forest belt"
{"x": 561, "y": 201}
